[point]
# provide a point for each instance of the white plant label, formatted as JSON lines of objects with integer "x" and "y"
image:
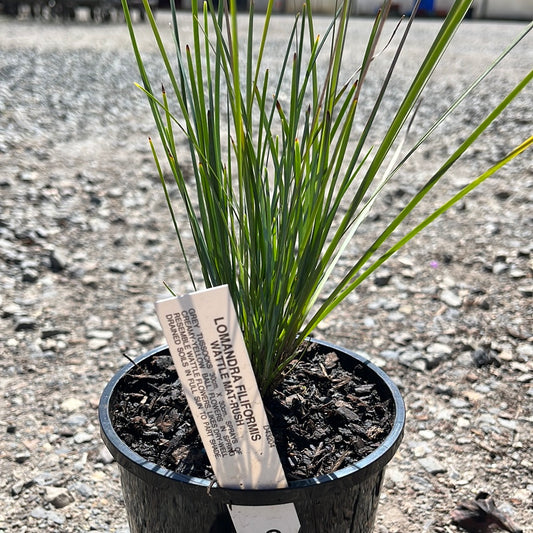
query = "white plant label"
{"x": 215, "y": 371}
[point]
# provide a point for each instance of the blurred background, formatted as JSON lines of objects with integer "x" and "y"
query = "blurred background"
{"x": 106, "y": 10}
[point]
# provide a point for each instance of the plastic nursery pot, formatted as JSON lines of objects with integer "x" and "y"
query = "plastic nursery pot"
{"x": 159, "y": 500}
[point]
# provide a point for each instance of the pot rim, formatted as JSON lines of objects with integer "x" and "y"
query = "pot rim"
{"x": 365, "y": 467}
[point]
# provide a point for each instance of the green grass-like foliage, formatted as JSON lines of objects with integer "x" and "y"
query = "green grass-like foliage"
{"x": 280, "y": 189}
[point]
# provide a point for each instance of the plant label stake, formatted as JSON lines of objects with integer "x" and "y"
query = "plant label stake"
{"x": 215, "y": 371}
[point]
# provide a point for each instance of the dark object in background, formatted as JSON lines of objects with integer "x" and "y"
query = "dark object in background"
{"x": 481, "y": 515}
{"x": 100, "y": 10}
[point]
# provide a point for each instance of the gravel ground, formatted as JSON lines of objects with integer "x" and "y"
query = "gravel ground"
{"x": 85, "y": 245}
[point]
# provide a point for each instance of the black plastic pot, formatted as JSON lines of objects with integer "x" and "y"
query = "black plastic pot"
{"x": 161, "y": 501}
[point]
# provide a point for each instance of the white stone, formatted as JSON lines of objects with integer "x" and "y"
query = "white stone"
{"x": 71, "y": 405}
{"x": 450, "y": 298}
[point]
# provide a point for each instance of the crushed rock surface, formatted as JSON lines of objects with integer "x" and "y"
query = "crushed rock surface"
{"x": 86, "y": 244}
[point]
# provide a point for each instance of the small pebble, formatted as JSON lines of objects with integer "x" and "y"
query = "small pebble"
{"x": 30, "y": 275}
{"x": 51, "y": 516}
{"x": 25, "y": 323}
{"x": 57, "y": 496}
{"x": 82, "y": 437}
{"x": 72, "y": 404}
{"x": 432, "y": 465}
{"x": 450, "y": 298}
{"x": 58, "y": 260}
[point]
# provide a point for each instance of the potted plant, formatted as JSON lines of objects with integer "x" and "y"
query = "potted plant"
{"x": 280, "y": 187}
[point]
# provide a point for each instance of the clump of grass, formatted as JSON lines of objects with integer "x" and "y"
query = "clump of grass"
{"x": 281, "y": 188}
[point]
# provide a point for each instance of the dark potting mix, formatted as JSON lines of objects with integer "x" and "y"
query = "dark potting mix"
{"x": 324, "y": 416}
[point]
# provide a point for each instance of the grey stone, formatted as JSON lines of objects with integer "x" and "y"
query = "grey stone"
{"x": 90, "y": 281}
{"x": 50, "y": 516}
{"x": 30, "y": 275}
{"x": 39, "y": 513}
{"x": 10, "y": 309}
{"x": 76, "y": 420}
{"x": 70, "y": 405}
{"x": 21, "y": 485}
{"x": 420, "y": 448}
{"x": 378, "y": 303}
{"x": 450, "y": 298}
{"x": 525, "y": 351}
{"x": 420, "y": 484}
{"x": 28, "y": 177}
{"x": 390, "y": 355}
{"x": 45, "y": 479}
{"x": 117, "y": 268}
{"x": 144, "y": 334}
{"x": 25, "y": 323}
{"x": 59, "y": 497}
{"x": 104, "y": 456}
{"x": 432, "y": 465}
{"x": 517, "y": 273}
{"x": 403, "y": 338}
{"x": 482, "y": 357}
{"x": 501, "y": 256}
{"x": 82, "y": 437}
{"x": 439, "y": 348}
{"x": 369, "y": 322}
{"x": 382, "y": 277}
{"x": 397, "y": 476}
{"x": 99, "y": 334}
{"x": 508, "y": 423}
{"x": 22, "y": 457}
{"x": 396, "y": 316}
{"x": 499, "y": 268}
{"x": 432, "y": 361}
{"x": 97, "y": 344}
{"x": 53, "y": 332}
{"x": 152, "y": 322}
{"x": 459, "y": 403}
{"x": 58, "y": 260}
{"x": 412, "y": 359}
{"x": 83, "y": 489}
{"x": 526, "y": 290}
